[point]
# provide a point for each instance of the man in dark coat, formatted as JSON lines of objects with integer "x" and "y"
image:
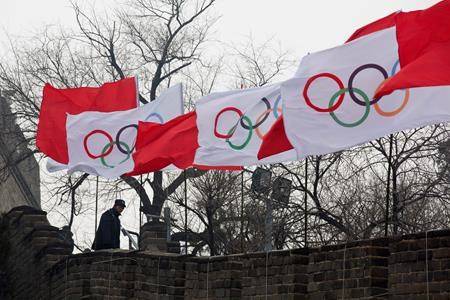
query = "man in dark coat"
{"x": 108, "y": 232}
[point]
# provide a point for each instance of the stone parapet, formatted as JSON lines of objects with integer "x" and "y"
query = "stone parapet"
{"x": 34, "y": 247}
{"x": 419, "y": 266}
{"x": 39, "y": 265}
{"x": 153, "y": 237}
{"x": 349, "y": 271}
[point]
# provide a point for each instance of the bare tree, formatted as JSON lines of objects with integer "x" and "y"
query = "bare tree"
{"x": 213, "y": 209}
{"x": 161, "y": 37}
{"x": 256, "y": 65}
{"x": 152, "y": 39}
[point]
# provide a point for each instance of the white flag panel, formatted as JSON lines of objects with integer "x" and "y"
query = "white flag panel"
{"x": 232, "y": 125}
{"x": 103, "y": 143}
{"x": 330, "y": 106}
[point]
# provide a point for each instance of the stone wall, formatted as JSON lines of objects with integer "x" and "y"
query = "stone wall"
{"x": 19, "y": 181}
{"x": 33, "y": 247}
{"x": 410, "y": 258}
{"x": 349, "y": 271}
{"x": 39, "y": 265}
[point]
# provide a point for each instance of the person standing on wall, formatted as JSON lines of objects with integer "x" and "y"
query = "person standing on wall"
{"x": 108, "y": 232}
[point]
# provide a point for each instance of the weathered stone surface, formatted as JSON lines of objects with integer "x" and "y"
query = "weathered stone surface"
{"x": 39, "y": 266}
{"x": 20, "y": 184}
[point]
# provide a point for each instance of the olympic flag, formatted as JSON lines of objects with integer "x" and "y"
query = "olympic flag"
{"x": 330, "y": 106}
{"x": 232, "y": 125}
{"x": 57, "y": 103}
{"x": 423, "y": 42}
{"x": 103, "y": 143}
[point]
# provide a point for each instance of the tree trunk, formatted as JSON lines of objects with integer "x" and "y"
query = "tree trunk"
{"x": 394, "y": 199}
{"x": 211, "y": 238}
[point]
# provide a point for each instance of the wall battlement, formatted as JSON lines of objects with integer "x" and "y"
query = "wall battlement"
{"x": 39, "y": 265}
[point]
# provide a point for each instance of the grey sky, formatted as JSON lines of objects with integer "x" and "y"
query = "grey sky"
{"x": 300, "y": 26}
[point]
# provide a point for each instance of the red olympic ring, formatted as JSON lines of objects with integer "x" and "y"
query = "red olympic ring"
{"x": 216, "y": 121}
{"x": 319, "y": 109}
{"x": 110, "y": 149}
{"x": 258, "y": 132}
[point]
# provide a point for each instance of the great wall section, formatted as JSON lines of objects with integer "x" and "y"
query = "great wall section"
{"x": 36, "y": 263}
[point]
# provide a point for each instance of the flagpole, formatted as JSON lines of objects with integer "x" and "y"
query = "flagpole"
{"x": 388, "y": 186}
{"x": 140, "y": 207}
{"x": 242, "y": 211}
{"x": 185, "y": 214}
{"x": 306, "y": 203}
{"x": 96, "y": 204}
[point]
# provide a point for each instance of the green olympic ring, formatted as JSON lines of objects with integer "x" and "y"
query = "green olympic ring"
{"x": 249, "y": 136}
{"x": 358, "y": 122}
{"x": 123, "y": 144}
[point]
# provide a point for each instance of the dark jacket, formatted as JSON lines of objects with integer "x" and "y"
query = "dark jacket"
{"x": 108, "y": 232}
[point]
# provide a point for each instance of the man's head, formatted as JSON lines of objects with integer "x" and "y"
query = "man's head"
{"x": 119, "y": 205}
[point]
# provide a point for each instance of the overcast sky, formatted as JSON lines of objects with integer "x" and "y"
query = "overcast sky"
{"x": 299, "y": 26}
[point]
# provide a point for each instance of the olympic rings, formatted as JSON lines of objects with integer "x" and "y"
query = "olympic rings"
{"x": 404, "y": 102}
{"x": 366, "y": 112}
{"x": 247, "y": 140}
{"x": 107, "y": 150}
{"x": 216, "y": 121}
{"x": 119, "y": 144}
{"x": 394, "y": 67}
{"x": 275, "y": 107}
{"x": 122, "y": 146}
{"x": 308, "y": 100}
{"x": 110, "y": 145}
{"x": 267, "y": 103}
{"x": 158, "y": 116}
{"x": 246, "y": 123}
{"x": 395, "y": 111}
{"x": 258, "y": 132}
{"x": 338, "y": 97}
{"x": 356, "y": 72}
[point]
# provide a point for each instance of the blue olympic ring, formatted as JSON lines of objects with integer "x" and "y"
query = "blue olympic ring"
{"x": 156, "y": 115}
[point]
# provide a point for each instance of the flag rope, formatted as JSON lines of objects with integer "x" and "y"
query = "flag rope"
{"x": 207, "y": 279}
{"x": 426, "y": 264}
{"x": 343, "y": 271}
{"x": 267, "y": 260}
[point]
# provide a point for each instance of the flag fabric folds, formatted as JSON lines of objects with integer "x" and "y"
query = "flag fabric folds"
{"x": 275, "y": 141}
{"x": 391, "y": 75}
{"x": 57, "y": 103}
{"x": 161, "y": 145}
{"x": 330, "y": 106}
{"x": 424, "y": 49}
{"x": 53, "y": 166}
{"x": 380, "y": 24}
{"x": 173, "y": 144}
{"x": 231, "y": 126}
{"x": 422, "y": 39}
{"x": 103, "y": 143}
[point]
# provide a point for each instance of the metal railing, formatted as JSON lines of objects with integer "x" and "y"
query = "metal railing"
{"x": 132, "y": 243}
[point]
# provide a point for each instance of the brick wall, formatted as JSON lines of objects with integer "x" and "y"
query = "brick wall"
{"x": 39, "y": 265}
{"x": 34, "y": 246}
{"x": 351, "y": 271}
{"x": 410, "y": 258}
{"x": 213, "y": 278}
{"x": 279, "y": 274}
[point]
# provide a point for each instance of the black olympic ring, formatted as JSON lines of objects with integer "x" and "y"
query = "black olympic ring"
{"x": 352, "y": 78}
{"x": 266, "y": 115}
{"x": 118, "y": 144}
